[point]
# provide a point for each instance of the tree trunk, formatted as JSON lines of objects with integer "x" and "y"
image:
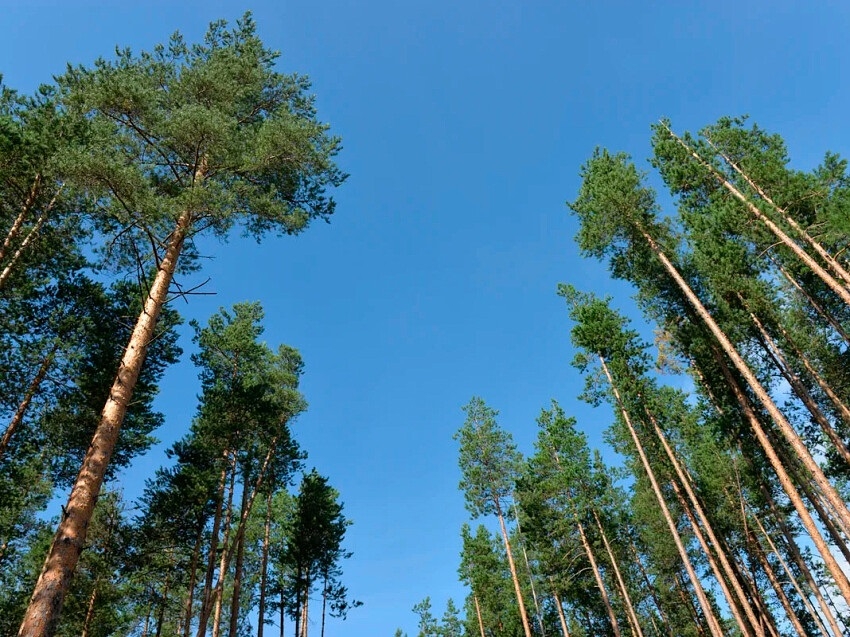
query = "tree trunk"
{"x": 688, "y": 602}
{"x": 630, "y": 609}
{"x": 282, "y": 613}
{"x": 776, "y": 415}
{"x": 206, "y": 597}
{"x": 707, "y": 611}
{"x": 650, "y": 588}
{"x": 522, "y": 613}
{"x": 530, "y": 574}
{"x": 89, "y": 611}
{"x": 777, "y": 587}
{"x": 15, "y": 230}
{"x": 42, "y": 614}
{"x": 816, "y": 246}
{"x": 778, "y": 418}
{"x": 193, "y": 573}
{"x": 801, "y": 254}
{"x": 817, "y": 306}
{"x": 161, "y": 617}
{"x": 237, "y": 570}
{"x": 775, "y": 353}
{"x": 264, "y": 566}
{"x": 21, "y": 411}
{"x": 685, "y": 481}
{"x": 791, "y": 542}
{"x": 599, "y": 583}
{"x": 32, "y": 234}
{"x": 560, "y": 607}
{"x": 223, "y": 566}
{"x": 792, "y": 578}
{"x": 324, "y": 604}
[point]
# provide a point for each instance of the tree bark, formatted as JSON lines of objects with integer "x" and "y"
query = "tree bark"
{"x": 684, "y": 480}
{"x": 777, "y": 587}
{"x": 630, "y": 609}
{"x": 264, "y": 566}
{"x": 522, "y": 612}
{"x": 705, "y": 606}
{"x": 237, "y": 570}
{"x": 801, "y": 254}
{"x": 599, "y": 583}
{"x": 42, "y": 614}
{"x": 561, "y": 617}
{"x": 785, "y": 480}
{"x": 21, "y": 411}
{"x": 223, "y": 565}
{"x": 89, "y": 611}
{"x": 15, "y": 230}
{"x": 193, "y": 574}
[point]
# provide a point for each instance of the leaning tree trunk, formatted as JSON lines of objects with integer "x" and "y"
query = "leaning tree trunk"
{"x": 787, "y": 241}
{"x": 42, "y": 614}
{"x": 774, "y": 582}
{"x": 21, "y": 411}
{"x": 599, "y": 583}
{"x": 627, "y": 599}
{"x": 520, "y": 602}
{"x": 788, "y": 432}
{"x": 478, "y": 613}
{"x": 15, "y": 230}
{"x": 684, "y": 480}
{"x": 223, "y": 565}
{"x": 237, "y": 571}
{"x": 705, "y": 606}
{"x": 561, "y": 617}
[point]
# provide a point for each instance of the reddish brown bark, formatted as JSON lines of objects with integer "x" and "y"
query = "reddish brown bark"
{"x": 21, "y": 411}
{"x": 45, "y": 605}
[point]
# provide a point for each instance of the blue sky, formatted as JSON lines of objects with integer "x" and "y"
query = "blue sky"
{"x": 464, "y": 126}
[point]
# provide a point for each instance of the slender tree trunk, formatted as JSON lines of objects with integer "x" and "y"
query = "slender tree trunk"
{"x": 815, "y": 305}
{"x": 801, "y": 254}
{"x": 305, "y": 610}
{"x": 599, "y": 583}
{"x": 685, "y": 481}
{"x": 206, "y": 597}
{"x": 264, "y": 566}
{"x": 89, "y": 611}
{"x": 147, "y": 623}
{"x": 530, "y": 574}
{"x": 324, "y": 604}
{"x": 792, "y": 578}
{"x": 843, "y": 409}
{"x": 193, "y": 573}
{"x": 775, "y": 353}
{"x": 650, "y": 588}
{"x": 32, "y": 234}
{"x": 630, "y": 609}
{"x": 42, "y": 614}
{"x": 708, "y": 612}
{"x": 831, "y": 495}
{"x": 21, "y": 411}
{"x": 223, "y": 566}
{"x": 818, "y": 248}
{"x": 237, "y": 571}
{"x": 282, "y": 613}
{"x": 522, "y": 612}
{"x": 161, "y": 616}
{"x": 688, "y": 602}
{"x": 758, "y": 430}
{"x": 777, "y": 587}
{"x": 791, "y": 542}
{"x": 15, "y": 230}
{"x": 561, "y": 617}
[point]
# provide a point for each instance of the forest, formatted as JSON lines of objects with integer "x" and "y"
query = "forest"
{"x": 727, "y": 516}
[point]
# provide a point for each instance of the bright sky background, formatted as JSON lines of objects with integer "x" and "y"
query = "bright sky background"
{"x": 464, "y": 126}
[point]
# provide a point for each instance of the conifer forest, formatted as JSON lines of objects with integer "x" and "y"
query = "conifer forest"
{"x": 708, "y": 494}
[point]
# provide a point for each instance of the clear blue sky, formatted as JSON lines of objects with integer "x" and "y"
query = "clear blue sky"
{"x": 464, "y": 125}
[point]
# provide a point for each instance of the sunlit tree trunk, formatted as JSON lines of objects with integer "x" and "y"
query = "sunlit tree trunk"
{"x": 520, "y": 602}
{"x": 42, "y": 614}
{"x": 478, "y": 614}
{"x": 218, "y": 591}
{"x": 627, "y": 599}
{"x": 237, "y": 570}
{"x": 777, "y": 587}
{"x": 561, "y": 617}
{"x": 599, "y": 583}
{"x": 705, "y": 606}
{"x": 792, "y": 245}
{"x": 21, "y": 411}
